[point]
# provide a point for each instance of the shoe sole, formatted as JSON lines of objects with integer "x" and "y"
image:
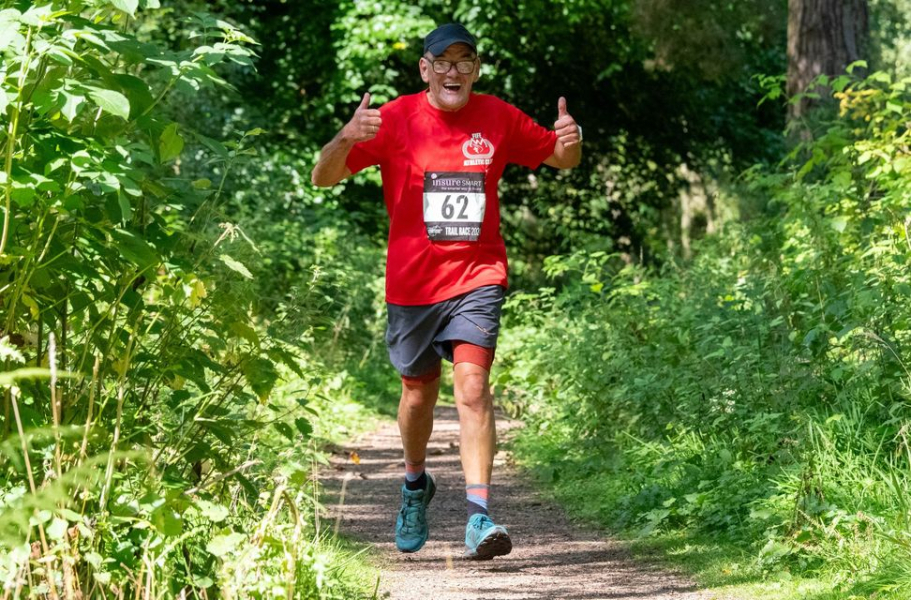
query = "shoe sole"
{"x": 496, "y": 544}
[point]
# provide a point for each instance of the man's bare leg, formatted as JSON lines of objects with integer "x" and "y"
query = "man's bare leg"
{"x": 415, "y": 425}
{"x": 416, "y": 418}
{"x": 478, "y": 436}
{"x": 477, "y": 429}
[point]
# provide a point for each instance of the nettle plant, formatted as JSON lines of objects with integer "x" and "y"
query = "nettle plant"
{"x": 131, "y": 368}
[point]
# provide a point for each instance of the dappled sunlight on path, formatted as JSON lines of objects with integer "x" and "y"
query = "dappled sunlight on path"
{"x": 551, "y": 559}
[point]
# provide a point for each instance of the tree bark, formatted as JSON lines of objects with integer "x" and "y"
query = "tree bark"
{"x": 824, "y": 37}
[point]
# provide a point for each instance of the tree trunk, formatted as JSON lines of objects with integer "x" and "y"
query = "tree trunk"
{"x": 824, "y": 37}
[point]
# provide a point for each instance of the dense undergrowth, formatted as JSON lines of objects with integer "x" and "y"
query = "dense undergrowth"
{"x": 760, "y": 394}
{"x": 169, "y": 334}
{"x": 185, "y": 321}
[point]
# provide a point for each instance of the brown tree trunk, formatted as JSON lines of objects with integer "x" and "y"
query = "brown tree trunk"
{"x": 824, "y": 37}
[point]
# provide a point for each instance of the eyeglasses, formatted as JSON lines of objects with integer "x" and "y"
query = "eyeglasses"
{"x": 441, "y": 67}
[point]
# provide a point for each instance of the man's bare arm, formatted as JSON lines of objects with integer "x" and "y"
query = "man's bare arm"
{"x": 568, "y": 150}
{"x": 363, "y": 126}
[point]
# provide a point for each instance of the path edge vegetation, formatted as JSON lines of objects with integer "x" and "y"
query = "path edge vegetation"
{"x": 164, "y": 418}
{"x": 183, "y": 319}
{"x": 745, "y": 414}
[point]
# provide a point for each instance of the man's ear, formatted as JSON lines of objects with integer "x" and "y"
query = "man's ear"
{"x": 424, "y": 68}
{"x": 477, "y": 71}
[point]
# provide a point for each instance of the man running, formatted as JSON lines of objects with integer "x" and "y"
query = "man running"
{"x": 441, "y": 154}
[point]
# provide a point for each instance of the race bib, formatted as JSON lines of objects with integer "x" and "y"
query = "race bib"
{"x": 454, "y": 204}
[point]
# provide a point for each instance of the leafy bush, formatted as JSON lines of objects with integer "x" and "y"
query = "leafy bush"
{"x": 762, "y": 390}
{"x": 145, "y": 449}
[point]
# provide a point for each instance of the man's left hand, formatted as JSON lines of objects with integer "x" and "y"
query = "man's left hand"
{"x": 565, "y": 126}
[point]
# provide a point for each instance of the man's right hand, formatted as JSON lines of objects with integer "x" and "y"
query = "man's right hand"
{"x": 363, "y": 126}
{"x": 365, "y": 123}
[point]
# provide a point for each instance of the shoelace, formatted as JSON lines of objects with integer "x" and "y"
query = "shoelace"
{"x": 411, "y": 514}
{"x": 481, "y": 524}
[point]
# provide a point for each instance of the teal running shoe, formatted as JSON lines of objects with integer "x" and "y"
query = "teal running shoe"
{"x": 484, "y": 540}
{"x": 411, "y": 525}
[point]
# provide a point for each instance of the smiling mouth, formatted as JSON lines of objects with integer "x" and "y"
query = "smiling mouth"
{"x": 452, "y": 87}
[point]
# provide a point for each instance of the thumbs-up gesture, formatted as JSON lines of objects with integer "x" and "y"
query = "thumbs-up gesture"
{"x": 365, "y": 123}
{"x": 565, "y": 126}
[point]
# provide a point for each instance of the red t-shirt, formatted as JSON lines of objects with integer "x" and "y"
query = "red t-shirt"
{"x": 440, "y": 173}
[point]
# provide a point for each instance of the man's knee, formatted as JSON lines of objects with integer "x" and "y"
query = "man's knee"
{"x": 472, "y": 388}
{"x": 420, "y": 393}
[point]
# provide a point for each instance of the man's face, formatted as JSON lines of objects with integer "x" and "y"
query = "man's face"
{"x": 449, "y": 91}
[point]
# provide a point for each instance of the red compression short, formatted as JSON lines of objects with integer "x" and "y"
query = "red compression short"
{"x": 461, "y": 352}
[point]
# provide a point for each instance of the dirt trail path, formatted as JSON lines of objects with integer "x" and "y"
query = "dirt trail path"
{"x": 551, "y": 559}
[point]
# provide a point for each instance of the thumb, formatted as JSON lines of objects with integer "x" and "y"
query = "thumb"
{"x": 365, "y": 102}
{"x": 561, "y": 108}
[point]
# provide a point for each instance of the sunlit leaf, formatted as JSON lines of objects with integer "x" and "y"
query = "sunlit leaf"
{"x": 236, "y": 266}
{"x": 110, "y": 101}
{"x": 127, "y": 6}
{"x": 222, "y": 545}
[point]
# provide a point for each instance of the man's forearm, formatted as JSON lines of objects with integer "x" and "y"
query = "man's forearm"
{"x": 331, "y": 167}
{"x": 565, "y": 157}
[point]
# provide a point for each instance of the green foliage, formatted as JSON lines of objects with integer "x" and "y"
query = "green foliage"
{"x": 651, "y": 123}
{"x": 144, "y": 447}
{"x": 761, "y": 392}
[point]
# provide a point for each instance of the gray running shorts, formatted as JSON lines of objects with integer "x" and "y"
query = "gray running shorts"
{"x": 418, "y": 336}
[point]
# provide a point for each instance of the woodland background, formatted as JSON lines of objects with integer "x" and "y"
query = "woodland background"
{"x": 708, "y": 327}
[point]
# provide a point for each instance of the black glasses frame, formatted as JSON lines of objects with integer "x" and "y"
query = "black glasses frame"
{"x": 441, "y": 66}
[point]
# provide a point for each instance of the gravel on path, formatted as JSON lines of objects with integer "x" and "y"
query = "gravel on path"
{"x": 552, "y": 559}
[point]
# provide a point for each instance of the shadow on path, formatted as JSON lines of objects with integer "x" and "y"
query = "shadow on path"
{"x": 551, "y": 559}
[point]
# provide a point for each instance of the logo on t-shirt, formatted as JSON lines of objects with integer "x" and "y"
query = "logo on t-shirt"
{"x": 477, "y": 150}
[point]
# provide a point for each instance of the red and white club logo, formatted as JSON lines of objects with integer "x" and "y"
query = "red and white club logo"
{"x": 477, "y": 148}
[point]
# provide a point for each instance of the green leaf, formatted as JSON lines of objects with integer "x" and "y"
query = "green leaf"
{"x": 280, "y": 355}
{"x": 110, "y": 101}
{"x": 135, "y": 89}
{"x": 5, "y": 100}
{"x": 127, "y": 6}
{"x": 57, "y": 529}
{"x": 245, "y": 331}
{"x": 70, "y": 515}
{"x": 126, "y": 211}
{"x": 236, "y": 266}
{"x": 71, "y": 105}
{"x": 134, "y": 248}
{"x": 222, "y": 545}
{"x": 261, "y": 375}
{"x": 839, "y": 224}
{"x": 857, "y": 63}
{"x": 170, "y": 144}
{"x": 214, "y": 145}
{"x": 10, "y": 38}
{"x": 840, "y": 83}
{"x": 285, "y": 430}
{"x": 214, "y": 512}
{"x": 167, "y": 521}
{"x": 94, "y": 559}
{"x": 304, "y": 426}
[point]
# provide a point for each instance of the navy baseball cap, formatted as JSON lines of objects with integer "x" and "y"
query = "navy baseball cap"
{"x": 445, "y": 36}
